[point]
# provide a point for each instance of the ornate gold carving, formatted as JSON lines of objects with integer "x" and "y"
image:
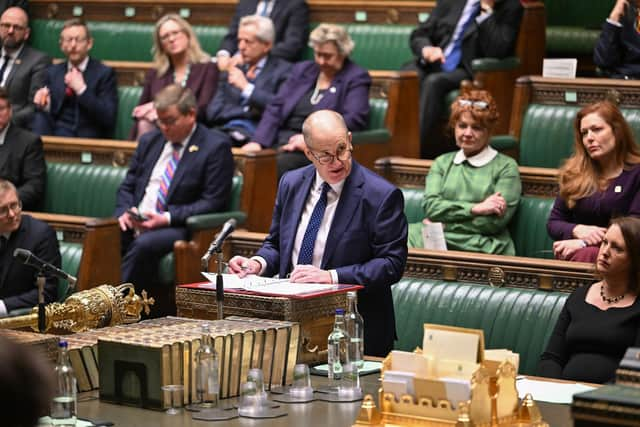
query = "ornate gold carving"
{"x": 392, "y": 16}
{"x": 157, "y": 12}
{"x": 496, "y": 277}
{"x": 94, "y": 308}
{"x": 52, "y": 10}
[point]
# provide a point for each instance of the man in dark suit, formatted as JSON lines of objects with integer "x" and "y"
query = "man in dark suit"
{"x": 290, "y": 19}
{"x": 80, "y": 97}
{"x": 21, "y": 158}
{"x": 22, "y": 69}
{"x": 360, "y": 233}
{"x": 245, "y": 90}
{"x": 457, "y": 32}
{"x": 18, "y": 281}
{"x": 176, "y": 172}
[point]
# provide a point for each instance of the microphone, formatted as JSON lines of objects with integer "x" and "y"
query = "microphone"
{"x": 216, "y": 245}
{"x": 25, "y": 256}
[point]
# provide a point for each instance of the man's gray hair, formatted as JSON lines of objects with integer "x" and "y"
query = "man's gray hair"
{"x": 174, "y": 94}
{"x": 265, "y": 31}
{"x": 327, "y": 119}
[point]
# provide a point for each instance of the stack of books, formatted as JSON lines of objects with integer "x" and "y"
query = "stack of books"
{"x": 45, "y": 344}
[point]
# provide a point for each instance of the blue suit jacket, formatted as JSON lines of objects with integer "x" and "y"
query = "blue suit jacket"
{"x": 17, "y": 280}
{"x": 98, "y": 104}
{"x": 201, "y": 183}
{"x": 290, "y": 19}
{"x": 227, "y": 103}
{"x": 366, "y": 245}
{"x": 347, "y": 95}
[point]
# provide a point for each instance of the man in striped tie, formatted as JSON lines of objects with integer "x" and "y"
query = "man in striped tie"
{"x": 177, "y": 171}
{"x": 337, "y": 222}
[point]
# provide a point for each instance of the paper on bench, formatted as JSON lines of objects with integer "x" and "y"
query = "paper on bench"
{"x": 433, "y": 236}
{"x": 267, "y": 284}
{"x": 550, "y": 391}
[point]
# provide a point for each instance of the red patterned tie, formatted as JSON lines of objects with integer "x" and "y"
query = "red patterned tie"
{"x": 167, "y": 176}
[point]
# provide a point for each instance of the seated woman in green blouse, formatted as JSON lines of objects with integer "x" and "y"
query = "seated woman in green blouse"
{"x": 474, "y": 191}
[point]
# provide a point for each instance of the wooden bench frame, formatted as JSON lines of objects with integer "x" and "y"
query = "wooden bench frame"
{"x": 553, "y": 91}
{"x": 100, "y": 238}
{"x": 492, "y": 270}
{"x": 376, "y": 11}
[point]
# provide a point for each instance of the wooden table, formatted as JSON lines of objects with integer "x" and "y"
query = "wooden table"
{"x": 320, "y": 414}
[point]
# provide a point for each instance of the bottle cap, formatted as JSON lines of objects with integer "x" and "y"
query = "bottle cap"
{"x": 339, "y": 310}
{"x": 351, "y": 294}
{"x": 62, "y": 344}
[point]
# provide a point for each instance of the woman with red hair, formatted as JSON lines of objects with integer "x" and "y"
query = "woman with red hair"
{"x": 598, "y": 182}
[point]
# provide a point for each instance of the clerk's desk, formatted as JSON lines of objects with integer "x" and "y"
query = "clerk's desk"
{"x": 314, "y": 414}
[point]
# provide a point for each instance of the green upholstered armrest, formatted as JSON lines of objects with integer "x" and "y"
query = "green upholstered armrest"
{"x": 205, "y": 221}
{"x": 503, "y": 142}
{"x": 373, "y": 136}
{"x": 20, "y": 311}
{"x": 495, "y": 64}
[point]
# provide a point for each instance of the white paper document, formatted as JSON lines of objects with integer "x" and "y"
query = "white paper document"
{"x": 433, "y": 236}
{"x": 559, "y": 67}
{"x": 267, "y": 285}
{"x": 549, "y": 391}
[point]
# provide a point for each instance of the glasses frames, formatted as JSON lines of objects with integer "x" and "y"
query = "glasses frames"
{"x": 342, "y": 154}
{"x": 15, "y": 207}
{"x": 478, "y": 105}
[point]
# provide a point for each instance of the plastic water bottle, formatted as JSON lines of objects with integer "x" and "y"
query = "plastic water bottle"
{"x": 207, "y": 364}
{"x": 64, "y": 405}
{"x": 337, "y": 346}
{"x": 354, "y": 325}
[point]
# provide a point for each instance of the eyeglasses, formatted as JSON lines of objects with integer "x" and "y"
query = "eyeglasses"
{"x": 6, "y": 27}
{"x": 343, "y": 153}
{"x": 166, "y": 36}
{"x": 69, "y": 40}
{"x": 169, "y": 121}
{"x": 478, "y": 105}
{"x": 15, "y": 207}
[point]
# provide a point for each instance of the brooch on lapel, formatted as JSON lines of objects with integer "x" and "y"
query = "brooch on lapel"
{"x": 18, "y": 61}
{"x": 332, "y": 89}
{"x": 193, "y": 148}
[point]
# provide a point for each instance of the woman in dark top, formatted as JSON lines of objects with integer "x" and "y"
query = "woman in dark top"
{"x": 177, "y": 58}
{"x": 599, "y": 322}
{"x": 330, "y": 82}
{"x": 599, "y": 181}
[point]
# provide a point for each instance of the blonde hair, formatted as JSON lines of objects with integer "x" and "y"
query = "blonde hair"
{"x": 580, "y": 176}
{"x": 161, "y": 60}
{"x": 325, "y": 33}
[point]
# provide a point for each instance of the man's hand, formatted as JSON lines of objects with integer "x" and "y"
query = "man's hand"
{"x": 252, "y": 146}
{"x": 126, "y": 221}
{"x": 487, "y": 5}
{"x": 564, "y": 249}
{"x": 309, "y": 274}
{"x": 75, "y": 80}
{"x": 591, "y": 234}
{"x": 432, "y": 54}
{"x": 495, "y": 204}
{"x": 618, "y": 10}
{"x": 42, "y": 98}
{"x": 243, "y": 266}
{"x": 295, "y": 143}
{"x": 154, "y": 220}
{"x": 237, "y": 78}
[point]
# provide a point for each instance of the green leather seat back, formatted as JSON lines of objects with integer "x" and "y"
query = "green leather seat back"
{"x": 118, "y": 41}
{"x": 167, "y": 266}
{"x": 80, "y": 189}
{"x": 377, "y": 113}
{"x": 517, "y": 319}
{"x": 413, "y": 204}
{"x": 128, "y": 98}
{"x": 378, "y": 46}
{"x": 71, "y": 256}
{"x": 528, "y": 227}
{"x": 546, "y": 138}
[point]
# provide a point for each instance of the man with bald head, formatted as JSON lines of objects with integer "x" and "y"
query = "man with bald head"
{"x": 337, "y": 222}
{"x": 22, "y": 68}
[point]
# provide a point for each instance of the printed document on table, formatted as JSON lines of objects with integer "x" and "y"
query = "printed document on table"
{"x": 549, "y": 391}
{"x": 267, "y": 285}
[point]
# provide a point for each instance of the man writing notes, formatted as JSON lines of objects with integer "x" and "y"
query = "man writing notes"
{"x": 457, "y": 32}
{"x": 337, "y": 222}
{"x": 176, "y": 172}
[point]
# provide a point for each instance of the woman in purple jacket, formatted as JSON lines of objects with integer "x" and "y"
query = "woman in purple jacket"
{"x": 600, "y": 181}
{"x": 330, "y": 82}
{"x": 177, "y": 58}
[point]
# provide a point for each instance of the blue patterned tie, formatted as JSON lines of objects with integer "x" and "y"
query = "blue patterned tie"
{"x": 453, "y": 59}
{"x": 309, "y": 240}
{"x": 167, "y": 176}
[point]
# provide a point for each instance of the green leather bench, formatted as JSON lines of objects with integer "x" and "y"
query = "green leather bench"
{"x": 520, "y": 320}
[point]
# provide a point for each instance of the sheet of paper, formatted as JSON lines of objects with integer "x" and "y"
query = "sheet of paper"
{"x": 267, "y": 285}
{"x": 433, "y": 236}
{"x": 559, "y": 67}
{"x": 549, "y": 391}
{"x": 444, "y": 344}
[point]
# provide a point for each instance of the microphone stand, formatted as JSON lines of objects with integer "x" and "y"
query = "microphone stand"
{"x": 42, "y": 314}
{"x": 204, "y": 264}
